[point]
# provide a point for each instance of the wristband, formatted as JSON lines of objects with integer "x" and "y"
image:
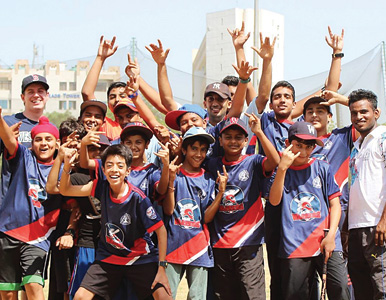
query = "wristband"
{"x": 133, "y": 95}
{"x": 245, "y": 80}
{"x": 334, "y": 55}
{"x": 171, "y": 188}
{"x": 163, "y": 263}
{"x": 69, "y": 172}
{"x": 71, "y": 232}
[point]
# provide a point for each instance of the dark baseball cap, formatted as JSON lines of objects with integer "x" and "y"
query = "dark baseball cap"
{"x": 316, "y": 99}
{"x": 219, "y": 88}
{"x": 35, "y": 78}
{"x": 93, "y": 102}
{"x": 305, "y": 131}
{"x": 172, "y": 117}
{"x": 136, "y": 128}
{"x": 103, "y": 140}
{"x": 235, "y": 122}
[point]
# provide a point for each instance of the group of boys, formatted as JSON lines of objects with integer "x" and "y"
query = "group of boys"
{"x": 210, "y": 200}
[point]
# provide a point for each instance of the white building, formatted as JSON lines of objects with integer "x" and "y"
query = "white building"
{"x": 213, "y": 60}
{"x": 65, "y": 85}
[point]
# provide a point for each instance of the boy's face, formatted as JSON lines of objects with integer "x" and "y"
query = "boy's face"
{"x": 137, "y": 145}
{"x": 91, "y": 117}
{"x": 233, "y": 140}
{"x": 216, "y": 106}
{"x": 94, "y": 152}
{"x": 115, "y": 169}
{"x": 195, "y": 154}
{"x": 282, "y": 102}
{"x": 189, "y": 120}
{"x": 304, "y": 147}
{"x": 116, "y": 95}
{"x": 44, "y": 146}
{"x": 317, "y": 115}
{"x": 363, "y": 116}
{"x": 35, "y": 97}
{"x": 125, "y": 116}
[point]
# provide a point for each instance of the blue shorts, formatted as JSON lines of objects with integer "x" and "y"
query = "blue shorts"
{"x": 83, "y": 260}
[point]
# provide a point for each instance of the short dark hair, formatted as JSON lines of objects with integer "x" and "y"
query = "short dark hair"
{"x": 306, "y": 142}
{"x": 114, "y": 85}
{"x": 283, "y": 83}
{"x": 230, "y": 80}
{"x": 192, "y": 140}
{"x": 69, "y": 126}
{"x": 119, "y": 150}
{"x": 361, "y": 94}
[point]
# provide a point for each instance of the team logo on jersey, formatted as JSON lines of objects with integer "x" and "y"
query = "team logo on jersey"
{"x": 320, "y": 156}
{"x": 150, "y": 213}
{"x": 36, "y": 192}
{"x": 305, "y": 207}
{"x": 316, "y": 183}
{"x": 244, "y": 175}
{"x": 125, "y": 219}
{"x": 201, "y": 194}
{"x": 327, "y": 145}
{"x": 232, "y": 200}
{"x": 187, "y": 214}
{"x": 24, "y": 137}
{"x": 115, "y": 236}
{"x": 143, "y": 185}
{"x": 280, "y": 143}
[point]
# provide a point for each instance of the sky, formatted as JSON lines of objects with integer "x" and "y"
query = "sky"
{"x": 71, "y": 29}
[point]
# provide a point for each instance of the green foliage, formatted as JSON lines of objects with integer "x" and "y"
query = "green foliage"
{"x": 331, "y": 126}
{"x": 57, "y": 117}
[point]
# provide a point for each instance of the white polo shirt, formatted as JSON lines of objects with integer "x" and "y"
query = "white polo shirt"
{"x": 367, "y": 180}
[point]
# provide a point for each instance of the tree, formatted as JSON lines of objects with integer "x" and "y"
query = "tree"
{"x": 57, "y": 118}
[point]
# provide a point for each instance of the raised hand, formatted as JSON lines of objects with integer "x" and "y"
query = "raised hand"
{"x": 92, "y": 138}
{"x": 238, "y": 36}
{"x": 174, "y": 169}
{"x": 132, "y": 85}
{"x": 175, "y": 144}
{"x": 132, "y": 69}
{"x": 287, "y": 158}
{"x": 162, "y": 133}
{"x": 333, "y": 98}
{"x": 158, "y": 53}
{"x": 245, "y": 70}
{"x": 15, "y": 128}
{"x": 106, "y": 47}
{"x": 335, "y": 41}
{"x": 267, "y": 49}
{"x": 254, "y": 122}
{"x": 69, "y": 156}
{"x": 222, "y": 180}
{"x": 163, "y": 153}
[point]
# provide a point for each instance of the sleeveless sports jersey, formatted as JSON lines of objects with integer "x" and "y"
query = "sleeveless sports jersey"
{"x": 126, "y": 226}
{"x": 336, "y": 151}
{"x": 305, "y": 209}
{"x": 240, "y": 218}
{"x": 188, "y": 236}
{"x": 28, "y": 213}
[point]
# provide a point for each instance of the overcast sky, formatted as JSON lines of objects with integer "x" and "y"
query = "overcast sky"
{"x": 71, "y": 29}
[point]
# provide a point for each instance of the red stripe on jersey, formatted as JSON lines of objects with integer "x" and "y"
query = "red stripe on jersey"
{"x": 312, "y": 243}
{"x": 37, "y": 229}
{"x": 94, "y": 185}
{"x": 242, "y": 227}
{"x": 342, "y": 174}
{"x": 155, "y": 226}
{"x": 335, "y": 195}
{"x": 138, "y": 250}
{"x": 191, "y": 248}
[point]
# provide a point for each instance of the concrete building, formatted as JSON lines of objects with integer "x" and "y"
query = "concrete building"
{"x": 65, "y": 85}
{"x": 213, "y": 60}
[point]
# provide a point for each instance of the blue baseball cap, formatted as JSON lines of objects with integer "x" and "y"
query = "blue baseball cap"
{"x": 305, "y": 131}
{"x": 234, "y": 122}
{"x": 198, "y": 131}
{"x": 172, "y": 117}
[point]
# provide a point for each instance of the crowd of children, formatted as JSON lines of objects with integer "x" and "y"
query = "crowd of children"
{"x": 125, "y": 208}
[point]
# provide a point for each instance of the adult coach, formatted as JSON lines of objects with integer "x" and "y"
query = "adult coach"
{"x": 366, "y": 213}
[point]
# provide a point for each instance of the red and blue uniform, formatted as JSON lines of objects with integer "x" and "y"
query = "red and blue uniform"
{"x": 240, "y": 219}
{"x": 305, "y": 209}
{"x": 28, "y": 213}
{"x": 188, "y": 236}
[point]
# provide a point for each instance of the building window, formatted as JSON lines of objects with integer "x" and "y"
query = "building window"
{"x": 101, "y": 86}
{"x": 72, "y": 86}
{"x": 72, "y": 105}
{"x": 5, "y": 85}
{"x": 4, "y": 104}
{"x": 222, "y": 36}
{"x": 221, "y": 51}
{"x": 63, "y": 86}
{"x": 62, "y": 105}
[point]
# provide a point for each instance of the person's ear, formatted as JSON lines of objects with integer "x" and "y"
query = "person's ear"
{"x": 147, "y": 144}
{"x": 287, "y": 143}
{"x": 128, "y": 171}
{"x": 377, "y": 113}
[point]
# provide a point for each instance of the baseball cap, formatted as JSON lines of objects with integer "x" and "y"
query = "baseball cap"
{"x": 234, "y": 122}
{"x": 127, "y": 104}
{"x": 304, "y": 131}
{"x": 219, "y": 88}
{"x": 198, "y": 131}
{"x": 136, "y": 127}
{"x": 315, "y": 99}
{"x": 46, "y": 127}
{"x": 93, "y": 102}
{"x": 35, "y": 78}
{"x": 103, "y": 140}
{"x": 172, "y": 117}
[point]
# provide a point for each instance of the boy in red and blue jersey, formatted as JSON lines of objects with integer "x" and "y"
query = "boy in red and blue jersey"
{"x": 237, "y": 219}
{"x": 28, "y": 215}
{"x": 128, "y": 218}
{"x": 309, "y": 198}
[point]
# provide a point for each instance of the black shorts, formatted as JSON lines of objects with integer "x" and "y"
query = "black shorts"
{"x": 20, "y": 263}
{"x": 103, "y": 279}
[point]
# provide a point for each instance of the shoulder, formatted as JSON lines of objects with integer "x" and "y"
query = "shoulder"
{"x": 137, "y": 192}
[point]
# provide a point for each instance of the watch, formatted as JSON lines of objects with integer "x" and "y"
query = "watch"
{"x": 163, "y": 263}
{"x": 71, "y": 232}
{"x": 338, "y": 55}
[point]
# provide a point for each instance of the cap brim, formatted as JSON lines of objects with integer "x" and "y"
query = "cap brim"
{"x": 307, "y": 137}
{"x": 120, "y": 105}
{"x": 236, "y": 125}
{"x": 144, "y": 130}
{"x": 46, "y": 86}
{"x": 88, "y": 103}
{"x": 315, "y": 100}
{"x": 222, "y": 95}
{"x": 171, "y": 118}
{"x": 207, "y": 136}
